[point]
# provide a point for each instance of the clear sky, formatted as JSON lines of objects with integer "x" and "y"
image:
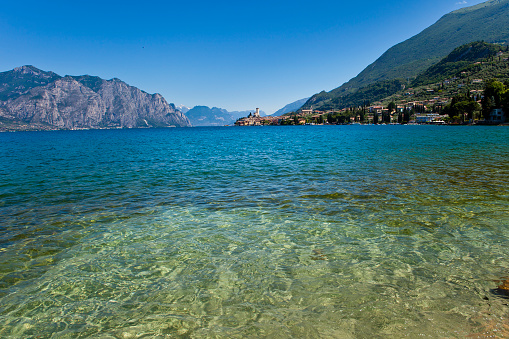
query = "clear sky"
{"x": 236, "y": 55}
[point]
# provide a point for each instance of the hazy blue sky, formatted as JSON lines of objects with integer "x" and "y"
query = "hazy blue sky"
{"x": 236, "y": 55}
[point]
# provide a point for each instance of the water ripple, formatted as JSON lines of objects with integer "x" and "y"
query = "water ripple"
{"x": 341, "y": 231}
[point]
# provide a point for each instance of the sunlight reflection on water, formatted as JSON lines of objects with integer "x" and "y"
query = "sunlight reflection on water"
{"x": 339, "y": 232}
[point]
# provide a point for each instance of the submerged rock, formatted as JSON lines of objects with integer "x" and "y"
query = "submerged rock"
{"x": 503, "y": 288}
{"x": 319, "y": 255}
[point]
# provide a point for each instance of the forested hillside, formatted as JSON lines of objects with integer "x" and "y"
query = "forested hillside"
{"x": 484, "y": 22}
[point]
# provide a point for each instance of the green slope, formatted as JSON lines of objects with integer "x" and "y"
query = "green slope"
{"x": 468, "y": 68}
{"x": 460, "y": 60}
{"x": 488, "y": 21}
{"x": 476, "y": 60}
{"x": 374, "y": 92}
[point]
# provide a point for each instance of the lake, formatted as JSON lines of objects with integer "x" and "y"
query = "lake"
{"x": 276, "y": 232}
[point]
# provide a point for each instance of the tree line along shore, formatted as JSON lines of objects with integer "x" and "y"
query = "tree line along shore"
{"x": 469, "y": 86}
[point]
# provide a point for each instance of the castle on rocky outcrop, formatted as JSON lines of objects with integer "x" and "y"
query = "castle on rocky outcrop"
{"x": 254, "y": 119}
{"x": 255, "y": 114}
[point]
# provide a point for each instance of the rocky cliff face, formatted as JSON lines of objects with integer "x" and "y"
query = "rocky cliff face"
{"x": 44, "y": 98}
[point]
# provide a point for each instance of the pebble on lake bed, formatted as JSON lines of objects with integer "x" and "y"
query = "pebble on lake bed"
{"x": 318, "y": 255}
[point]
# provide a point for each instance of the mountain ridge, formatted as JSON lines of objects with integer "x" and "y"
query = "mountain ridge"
{"x": 488, "y": 21}
{"x": 215, "y": 116}
{"x": 291, "y": 107}
{"x": 32, "y": 97}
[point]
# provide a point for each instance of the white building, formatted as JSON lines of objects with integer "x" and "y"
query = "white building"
{"x": 426, "y": 118}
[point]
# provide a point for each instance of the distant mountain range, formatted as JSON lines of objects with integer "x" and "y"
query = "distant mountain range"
{"x": 182, "y": 108}
{"x": 488, "y": 22}
{"x": 34, "y": 99}
{"x": 294, "y": 106}
{"x": 206, "y": 116}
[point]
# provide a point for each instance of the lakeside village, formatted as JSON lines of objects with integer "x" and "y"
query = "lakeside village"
{"x": 475, "y": 108}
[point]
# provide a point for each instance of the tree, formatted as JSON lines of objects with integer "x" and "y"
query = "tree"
{"x": 494, "y": 97}
{"x": 487, "y": 104}
{"x": 461, "y": 105}
{"x": 391, "y": 107}
{"x": 406, "y": 115}
{"x": 388, "y": 118}
{"x": 495, "y": 89}
{"x": 466, "y": 107}
{"x": 330, "y": 118}
{"x": 412, "y": 113}
{"x": 505, "y": 103}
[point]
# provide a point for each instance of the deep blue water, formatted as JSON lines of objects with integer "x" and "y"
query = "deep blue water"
{"x": 312, "y": 231}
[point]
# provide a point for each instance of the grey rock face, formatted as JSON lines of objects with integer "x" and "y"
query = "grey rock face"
{"x": 85, "y": 102}
{"x": 64, "y": 103}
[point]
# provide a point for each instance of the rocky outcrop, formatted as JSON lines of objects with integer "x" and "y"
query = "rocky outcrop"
{"x": 64, "y": 103}
{"x": 82, "y": 102}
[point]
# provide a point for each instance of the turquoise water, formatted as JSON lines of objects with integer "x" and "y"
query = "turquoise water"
{"x": 275, "y": 232}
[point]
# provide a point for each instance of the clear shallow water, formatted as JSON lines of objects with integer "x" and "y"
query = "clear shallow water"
{"x": 278, "y": 232}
